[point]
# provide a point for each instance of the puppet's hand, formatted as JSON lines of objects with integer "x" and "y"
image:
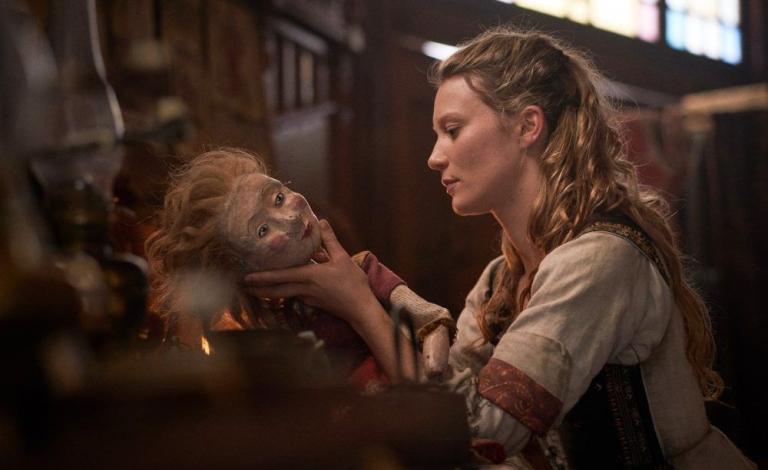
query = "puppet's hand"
{"x": 435, "y": 352}
{"x": 432, "y": 324}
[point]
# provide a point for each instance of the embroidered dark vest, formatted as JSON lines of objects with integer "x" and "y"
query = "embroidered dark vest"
{"x": 611, "y": 425}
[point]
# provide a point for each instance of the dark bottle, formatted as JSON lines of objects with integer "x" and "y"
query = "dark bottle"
{"x": 114, "y": 285}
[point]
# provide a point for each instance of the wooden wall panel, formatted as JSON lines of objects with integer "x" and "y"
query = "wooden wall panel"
{"x": 183, "y": 23}
{"x": 235, "y": 58}
{"x": 439, "y": 253}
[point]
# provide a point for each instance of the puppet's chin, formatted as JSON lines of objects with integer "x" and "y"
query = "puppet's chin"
{"x": 296, "y": 256}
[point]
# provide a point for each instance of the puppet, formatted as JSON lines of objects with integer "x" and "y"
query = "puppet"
{"x": 223, "y": 212}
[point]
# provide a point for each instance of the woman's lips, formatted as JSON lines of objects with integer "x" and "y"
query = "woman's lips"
{"x": 450, "y": 186}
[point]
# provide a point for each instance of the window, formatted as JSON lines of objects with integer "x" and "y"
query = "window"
{"x": 704, "y": 27}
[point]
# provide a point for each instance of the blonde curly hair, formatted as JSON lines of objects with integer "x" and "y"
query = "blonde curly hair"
{"x": 189, "y": 235}
{"x": 586, "y": 171}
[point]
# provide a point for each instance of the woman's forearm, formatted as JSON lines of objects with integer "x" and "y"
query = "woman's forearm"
{"x": 376, "y": 328}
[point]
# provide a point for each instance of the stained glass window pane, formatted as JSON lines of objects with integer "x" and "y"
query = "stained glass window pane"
{"x": 731, "y": 45}
{"x": 677, "y": 5}
{"x": 675, "y": 29}
{"x": 694, "y": 34}
{"x": 648, "y": 27}
{"x": 704, "y": 8}
{"x": 579, "y": 11}
{"x": 618, "y": 16}
{"x": 550, "y": 7}
{"x": 703, "y": 27}
{"x": 728, "y": 12}
{"x": 712, "y": 42}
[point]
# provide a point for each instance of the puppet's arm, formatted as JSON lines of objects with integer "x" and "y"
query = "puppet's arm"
{"x": 432, "y": 324}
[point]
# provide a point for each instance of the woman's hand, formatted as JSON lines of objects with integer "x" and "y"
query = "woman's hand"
{"x": 336, "y": 284}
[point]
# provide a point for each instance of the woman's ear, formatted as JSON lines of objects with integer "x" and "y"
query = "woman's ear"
{"x": 533, "y": 126}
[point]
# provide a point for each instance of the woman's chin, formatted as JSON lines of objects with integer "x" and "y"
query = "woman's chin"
{"x": 459, "y": 208}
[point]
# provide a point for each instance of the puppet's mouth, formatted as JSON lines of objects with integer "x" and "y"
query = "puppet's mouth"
{"x": 307, "y": 230}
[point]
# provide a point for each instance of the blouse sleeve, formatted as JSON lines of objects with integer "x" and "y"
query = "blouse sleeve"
{"x": 468, "y": 355}
{"x": 594, "y": 300}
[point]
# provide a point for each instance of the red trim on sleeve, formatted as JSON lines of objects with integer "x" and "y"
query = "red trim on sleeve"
{"x": 511, "y": 390}
{"x": 488, "y": 451}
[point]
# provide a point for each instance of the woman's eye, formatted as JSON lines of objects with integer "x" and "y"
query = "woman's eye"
{"x": 453, "y": 132}
{"x": 279, "y": 198}
{"x": 263, "y": 229}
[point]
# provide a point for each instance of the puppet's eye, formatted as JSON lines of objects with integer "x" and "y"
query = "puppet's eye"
{"x": 263, "y": 229}
{"x": 279, "y": 198}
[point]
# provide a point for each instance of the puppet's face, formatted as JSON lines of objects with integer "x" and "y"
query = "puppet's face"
{"x": 269, "y": 225}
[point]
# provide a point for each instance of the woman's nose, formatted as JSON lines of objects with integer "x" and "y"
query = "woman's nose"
{"x": 436, "y": 160}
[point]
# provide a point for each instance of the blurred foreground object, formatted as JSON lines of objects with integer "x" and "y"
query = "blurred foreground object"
{"x": 40, "y": 344}
{"x": 73, "y": 391}
{"x": 77, "y": 175}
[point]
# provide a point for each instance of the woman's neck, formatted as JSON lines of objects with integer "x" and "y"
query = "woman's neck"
{"x": 515, "y": 226}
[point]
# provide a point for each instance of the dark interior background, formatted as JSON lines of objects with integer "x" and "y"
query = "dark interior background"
{"x": 333, "y": 93}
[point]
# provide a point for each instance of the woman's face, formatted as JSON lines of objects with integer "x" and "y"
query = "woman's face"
{"x": 270, "y": 225}
{"x": 481, "y": 163}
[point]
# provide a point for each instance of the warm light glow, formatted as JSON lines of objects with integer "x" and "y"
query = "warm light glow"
{"x": 205, "y": 346}
{"x": 648, "y": 26}
{"x": 618, "y": 16}
{"x": 703, "y": 8}
{"x": 579, "y": 11}
{"x": 703, "y": 27}
{"x": 712, "y": 41}
{"x": 728, "y": 12}
{"x": 694, "y": 35}
{"x": 549, "y": 7}
{"x": 732, "y": 45}
{"x": 437, "y": 50}
{"x": 677, "y": 5}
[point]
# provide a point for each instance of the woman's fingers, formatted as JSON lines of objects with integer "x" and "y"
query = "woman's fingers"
{"x": 330, "y": 242}
{"x": 321, "y": 256}
{"x": 277, "y": 291}
{"x": 265, "y": 278}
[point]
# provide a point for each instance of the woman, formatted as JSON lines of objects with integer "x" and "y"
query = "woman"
{"x": 586, "y": 324}
{"x": 223, "y": 215}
